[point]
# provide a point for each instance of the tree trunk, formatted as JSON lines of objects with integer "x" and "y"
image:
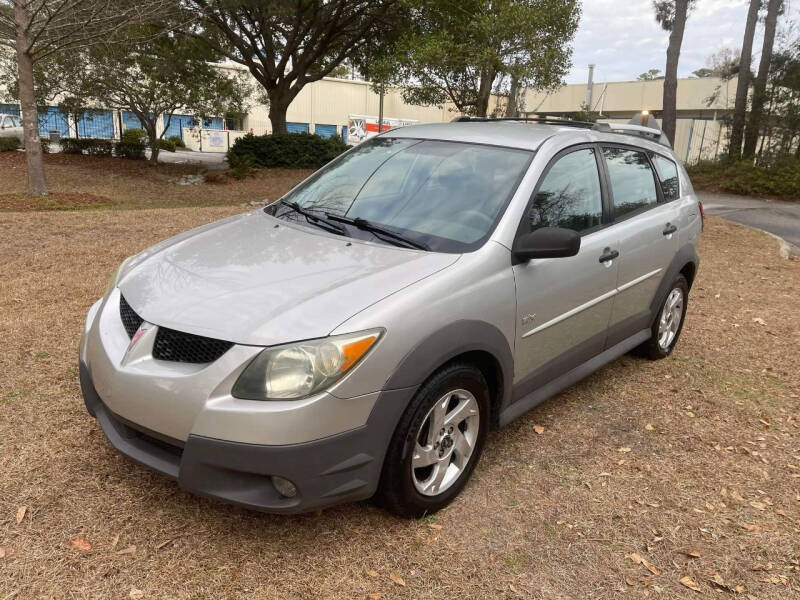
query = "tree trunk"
{"x": 152, "y": 139}
{"x": 669, "y": 112}
{"x": 512, "y": 107}
{"x": 37, "y": 185}
{"x": 760, "y": 87}
{"x": 484, "y": 92}
{"x": 743, "y": 83}
{"x": 279, "y": 102}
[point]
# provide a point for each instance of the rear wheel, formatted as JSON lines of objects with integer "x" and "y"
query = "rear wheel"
{"x": 437, "y": 443}
{"x": 667, "y": 327}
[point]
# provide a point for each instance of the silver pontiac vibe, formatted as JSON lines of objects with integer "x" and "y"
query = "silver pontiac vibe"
{"x": 359, "y": 337}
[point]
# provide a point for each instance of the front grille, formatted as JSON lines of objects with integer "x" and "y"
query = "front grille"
{"x": 186, "y": 347}
{"x": 130, "y": 320}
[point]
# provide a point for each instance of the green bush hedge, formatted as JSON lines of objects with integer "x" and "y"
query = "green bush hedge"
{"x": 9, "y": 144}
{"x": 134, "y": 135}
{"x": 167, "y": 145}
{"x": 90, "y": 146}
{"x": 130, "y": 150}
{"x": 294, "y": 150}
{"x": 781, "y": 179}
{"x": 176, "y": 139}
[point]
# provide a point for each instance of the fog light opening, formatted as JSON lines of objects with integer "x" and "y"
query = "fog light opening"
{"x": 285, "y": 487}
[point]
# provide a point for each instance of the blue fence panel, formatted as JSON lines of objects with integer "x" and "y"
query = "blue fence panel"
{"x": 131, "y": 121}
{"x": 10, "y": 109}
{"x": 344, "y": 133}
{"x": 177, "y": 123}
{"x": 53, "y": 120}
{"x": 213, "y": 123}
{"x": 326, "y": 131}
{"x": 297, "y": 127}
{"x": 96, "y": 124}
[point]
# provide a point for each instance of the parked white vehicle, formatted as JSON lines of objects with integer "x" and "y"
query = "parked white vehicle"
{"x": 11, "y": 126}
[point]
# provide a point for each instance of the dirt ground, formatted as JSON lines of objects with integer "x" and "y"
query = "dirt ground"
{"x": 80, "y": 182}
{"x": 648, "y": 479}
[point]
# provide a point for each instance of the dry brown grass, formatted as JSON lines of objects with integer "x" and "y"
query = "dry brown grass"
{"x": 80, "y": 182}
{"x": 546, "y": 516}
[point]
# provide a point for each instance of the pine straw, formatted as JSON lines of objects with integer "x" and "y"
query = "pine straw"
{"x": 80, "y": 182}
{"x": 549, "y": 515}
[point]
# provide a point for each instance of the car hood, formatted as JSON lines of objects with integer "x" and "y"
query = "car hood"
{"x": 254, "y": 279}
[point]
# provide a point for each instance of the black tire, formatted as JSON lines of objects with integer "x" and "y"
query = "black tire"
{"x": 651, "y": 349}
{"x": 397, "y": 492}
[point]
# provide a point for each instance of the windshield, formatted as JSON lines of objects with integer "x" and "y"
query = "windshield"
{"x": 447, "y": 196}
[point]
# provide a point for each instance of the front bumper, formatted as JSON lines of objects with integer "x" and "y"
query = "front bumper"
{"x": 339, "y": 468}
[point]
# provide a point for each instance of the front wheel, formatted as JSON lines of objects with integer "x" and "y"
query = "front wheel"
{"x": 437, "y": 443}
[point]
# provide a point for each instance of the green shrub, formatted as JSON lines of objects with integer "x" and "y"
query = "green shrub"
{"x": 176, "y": 139}
{"x": 90, "y": 146}
{"x": 240, "y": 164}
{"x": 9, "y": 144}
{"x": 167, "y": 145}
{"x": 781, "y": 179}
{"x": 130, "y": 150}
{"x": 134, "y": 136}
{"x": 294, "y": 150}
{"x": 45, "y": 142}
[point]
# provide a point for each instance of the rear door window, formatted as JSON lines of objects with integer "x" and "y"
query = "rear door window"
{"x": 668, "y": 176}
{"x": 632, "y": 183}
{"x": 569, "y": 196}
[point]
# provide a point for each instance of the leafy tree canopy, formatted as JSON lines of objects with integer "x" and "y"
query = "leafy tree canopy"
{"x": 464, "y": 51}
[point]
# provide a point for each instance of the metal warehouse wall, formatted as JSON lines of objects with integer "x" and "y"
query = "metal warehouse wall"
{"x": 330, "y": 101}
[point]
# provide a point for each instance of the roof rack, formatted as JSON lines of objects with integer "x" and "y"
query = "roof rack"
{"x": 547, "y": 120}
{"x": 650, "y": 133}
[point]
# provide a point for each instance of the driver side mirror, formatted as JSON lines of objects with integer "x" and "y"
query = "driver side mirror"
{"x": 547, "y": 242}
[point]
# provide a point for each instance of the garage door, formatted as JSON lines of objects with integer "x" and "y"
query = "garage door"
{"x": 325, "y": 131}
{"x": 297, "y": 127}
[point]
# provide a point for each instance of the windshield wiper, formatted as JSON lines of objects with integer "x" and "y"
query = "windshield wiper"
{"x": 378, "y": 230}
{"x": 314, "y": 219}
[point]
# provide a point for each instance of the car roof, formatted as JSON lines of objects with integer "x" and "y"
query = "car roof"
{"x": 522, "y": 135}
{"x": 512, "y": 134}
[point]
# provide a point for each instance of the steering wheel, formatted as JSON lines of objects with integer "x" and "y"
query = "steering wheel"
{"x": 475, "y": 219}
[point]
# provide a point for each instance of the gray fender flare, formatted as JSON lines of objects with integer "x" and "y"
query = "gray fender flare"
{"x": 686, "y": 254}
{"x": 450, "y": 341}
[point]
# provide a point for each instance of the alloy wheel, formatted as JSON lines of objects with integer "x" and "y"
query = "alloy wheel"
{"x": 670, "y": 320}
{"x": 445, "y": 442}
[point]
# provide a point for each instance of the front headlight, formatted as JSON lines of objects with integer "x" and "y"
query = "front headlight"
{"x": 299, "y": 370}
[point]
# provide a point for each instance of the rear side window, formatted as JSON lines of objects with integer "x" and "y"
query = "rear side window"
{"x": 668, "y": 176}
{"x": 632, "y": 181}
{"x": 569, "y": 196}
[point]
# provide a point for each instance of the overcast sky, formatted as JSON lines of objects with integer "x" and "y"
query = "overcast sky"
{"x": 623, "y": 39}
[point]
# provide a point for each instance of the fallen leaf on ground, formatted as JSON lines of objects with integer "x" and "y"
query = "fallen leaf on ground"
{"x": 717, "y": 580}
{"x": 435, "y": 526}
{"x": 759, "y": 320}
{"x": 512, "y": 588}
{"x": 758, "y": 505}
{"x": 649, "y": 427}
{"x": 115, "y": 541}
{"x": 623, "y": 449}
{"x": 374, "y": 596}
{"x": 397, "y": 579}
{"x": 135, "y": 594}
{"x": 79, "y": 542}
{"x": 538, "y": 429}
{"x": 161, "y": 545}
{"x": 692, "y": 554}
{"x": 749, "y": 527}
{"x": 639, "y": 560}
{"x": 21, "y": 513}
{"x": 2, "y": 552}
{"x": 372, "y": 572}
{"x": 689, "y": 583}
{"x": 128, "y": 550}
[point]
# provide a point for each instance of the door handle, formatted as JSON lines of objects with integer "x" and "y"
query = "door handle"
{"x": 669, "y": 229}
{"x": 608, "y": 254}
